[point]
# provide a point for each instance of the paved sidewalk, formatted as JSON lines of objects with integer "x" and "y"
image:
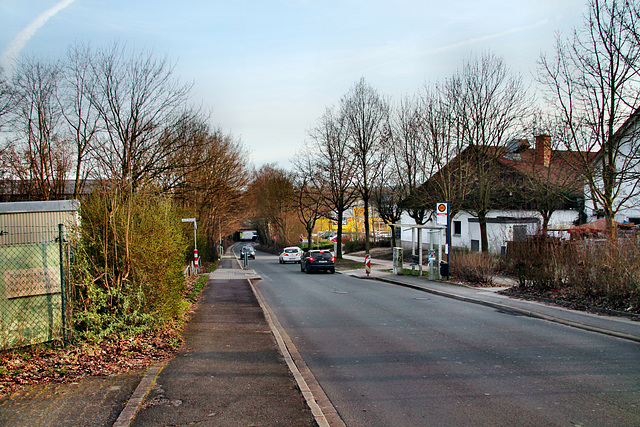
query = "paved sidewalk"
{"x": 229, "y": 372}
{"x": 611, "y": 325}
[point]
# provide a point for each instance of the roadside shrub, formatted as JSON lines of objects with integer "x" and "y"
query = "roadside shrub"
{"x": 603, "y": 272}
{"x": 127, "y": 264}
{"x": 353, "y": 246}
{"x": 607, "y": 269}
{"x": 322, "y": 245}
{"x": 359, "y": 245}
{"x": 473, "y": 267}
{"x": 539, "y": 263}
{"x": 383, "y": 243}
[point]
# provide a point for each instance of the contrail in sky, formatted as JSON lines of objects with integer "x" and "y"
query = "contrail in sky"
{"x": 10, "y": 54}
{"x": 487, "y": 37}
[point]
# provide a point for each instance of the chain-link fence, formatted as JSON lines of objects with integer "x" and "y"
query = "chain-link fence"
{"x": 32, "y": 302}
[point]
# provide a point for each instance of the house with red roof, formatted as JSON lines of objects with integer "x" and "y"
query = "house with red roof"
{"x": 536, "y": 189}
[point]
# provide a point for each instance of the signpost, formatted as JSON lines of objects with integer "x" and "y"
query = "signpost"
{"x": 195, "y": 240}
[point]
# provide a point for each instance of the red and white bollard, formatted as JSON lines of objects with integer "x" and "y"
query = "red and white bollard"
{"x": 195, "y": 259}
{"x": 367, "y": 264}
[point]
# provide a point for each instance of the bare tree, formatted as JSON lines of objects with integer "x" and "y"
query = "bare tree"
{"x": 272, "y": 196}
{"x": 552, "y": 174}
{"x": 367, "y": 116}
{"x": 38, "y": 155}
{"x": 335, "y": 165}
{"x": 491, "y": 107}
{"x": 80, "y": 115}
{"x": 7, "y": 102}
{"x": 139, "y": 103}
{"x": 388, "y": 198}
{"x": 410, "y": 156}
{"x": 7, "y": 98}
{"x": 309, "y": 192}
{"x": 442, "y": 130}
{"x": 593, "y": 87}
{"x": 213, "y": 190}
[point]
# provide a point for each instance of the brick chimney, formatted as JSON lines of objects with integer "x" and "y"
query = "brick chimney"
{"x": 543, "y": 149}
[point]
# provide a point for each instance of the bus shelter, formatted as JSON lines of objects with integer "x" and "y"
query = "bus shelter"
{"x": 435, "y": 242}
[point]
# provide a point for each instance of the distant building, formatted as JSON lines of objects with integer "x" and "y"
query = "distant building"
{"x": 15, "y": 190}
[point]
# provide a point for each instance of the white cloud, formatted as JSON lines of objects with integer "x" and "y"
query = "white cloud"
{"x": 10, "y": 54}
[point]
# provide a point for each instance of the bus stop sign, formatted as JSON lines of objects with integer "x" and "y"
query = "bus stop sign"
{"x": 442, "y": 213}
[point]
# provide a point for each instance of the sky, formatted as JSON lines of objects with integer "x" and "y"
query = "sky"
{"x": 267, "y": 70}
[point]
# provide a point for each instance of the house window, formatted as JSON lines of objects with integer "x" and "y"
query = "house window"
{"x": 457, "y": 228}
{"x": 519, "y": 233}
{"x": 475, "y": 245}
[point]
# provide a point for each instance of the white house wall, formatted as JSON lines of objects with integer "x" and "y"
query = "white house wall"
{"x": 630, "y": 210}
{"x": 498, "y": 233}
{"x": 628, "y": 151}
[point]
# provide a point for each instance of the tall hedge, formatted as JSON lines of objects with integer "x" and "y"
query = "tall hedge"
{"x": 128, "y": 260}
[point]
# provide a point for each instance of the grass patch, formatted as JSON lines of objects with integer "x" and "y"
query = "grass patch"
{"x": 348, "y": 264}
{"x": 197, "y": 287}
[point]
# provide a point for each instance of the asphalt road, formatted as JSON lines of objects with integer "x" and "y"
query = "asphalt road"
{"x": 387, "y": 355}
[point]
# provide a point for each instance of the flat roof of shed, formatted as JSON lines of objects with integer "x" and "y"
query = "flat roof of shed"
{"x": 40, "y": 206}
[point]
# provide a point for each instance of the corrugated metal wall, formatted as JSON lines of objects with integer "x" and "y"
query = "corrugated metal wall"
{"x": 35, "y": 222}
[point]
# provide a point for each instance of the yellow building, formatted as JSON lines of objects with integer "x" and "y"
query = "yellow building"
{"x": 353, "y": 225}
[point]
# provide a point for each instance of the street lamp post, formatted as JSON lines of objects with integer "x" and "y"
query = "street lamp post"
{"x": 195, "y": 240}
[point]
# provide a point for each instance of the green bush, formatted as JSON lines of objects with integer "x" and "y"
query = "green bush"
{"x": 127, "y": 264}
{"x": 353, "y": 246}
{"x": 322, "y": 245}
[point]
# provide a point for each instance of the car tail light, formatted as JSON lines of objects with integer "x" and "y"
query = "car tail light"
{"x": 333, "y": 259}
{"x": 311, "y": 258}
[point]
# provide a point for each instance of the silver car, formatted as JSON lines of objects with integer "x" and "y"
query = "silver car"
{"x": 291, "y": 254}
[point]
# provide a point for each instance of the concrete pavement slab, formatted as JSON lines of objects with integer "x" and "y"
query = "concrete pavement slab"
{"x": 92, "y": 401}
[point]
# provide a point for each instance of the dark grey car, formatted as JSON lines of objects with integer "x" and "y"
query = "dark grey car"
{"x": 251, "y": 253}
{"x": 317, "y": 260}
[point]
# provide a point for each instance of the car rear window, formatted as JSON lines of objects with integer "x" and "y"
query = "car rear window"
{"x": 321, "y": 255}
{"x": 290, "y": 251}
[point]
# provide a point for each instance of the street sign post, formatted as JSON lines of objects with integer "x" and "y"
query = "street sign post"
{"x": 195, "y": 240}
